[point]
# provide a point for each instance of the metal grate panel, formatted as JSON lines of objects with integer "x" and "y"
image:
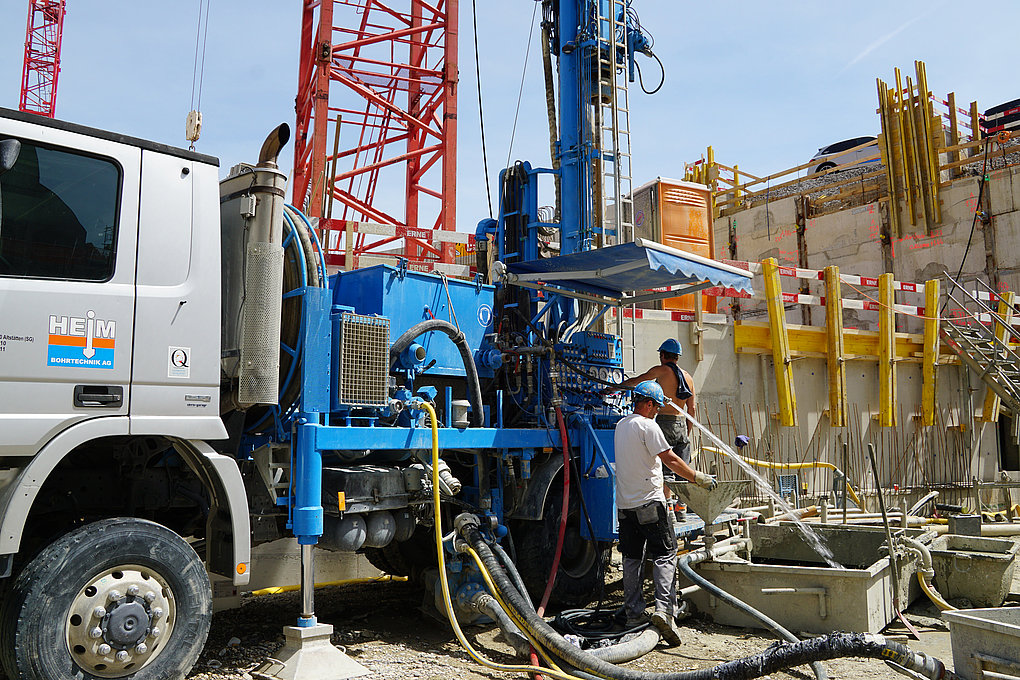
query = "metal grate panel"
{"x": 364, "y": 360}
{"x": 259, "y": 379}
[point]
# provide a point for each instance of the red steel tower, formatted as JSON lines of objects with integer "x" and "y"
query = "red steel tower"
{"x": 42, "y": 57}
{"x": 376, "y": 141}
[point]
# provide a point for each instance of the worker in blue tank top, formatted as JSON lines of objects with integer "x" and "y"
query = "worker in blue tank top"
{"x": 678, "y": 385}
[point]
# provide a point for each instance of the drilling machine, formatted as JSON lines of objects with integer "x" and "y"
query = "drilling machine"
{"x": 140, "y": 452}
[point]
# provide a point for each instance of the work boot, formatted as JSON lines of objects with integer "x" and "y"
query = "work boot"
{"x": 664, "y": 622}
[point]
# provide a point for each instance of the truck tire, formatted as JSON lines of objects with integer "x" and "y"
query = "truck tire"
{"x": 117, "y": 598}
{"x": 581, "y": 574}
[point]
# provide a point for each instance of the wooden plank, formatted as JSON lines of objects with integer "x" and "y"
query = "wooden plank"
{"x": 954, "y": 132}
{"x": 931, "y": 352}
{"x": 962, "y": 146}
{"x": 783, "y": 362}
{"x": 886, "y": 351}
{"x": 753, "y": 337}
{"x": 835, "y": 360}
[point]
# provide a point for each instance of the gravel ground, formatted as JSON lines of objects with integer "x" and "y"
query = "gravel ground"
{"x": 387, "y": 628}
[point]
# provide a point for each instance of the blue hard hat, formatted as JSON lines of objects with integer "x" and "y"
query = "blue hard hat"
{"x": 651, "y": 390}
{"x": 671, "y": 346}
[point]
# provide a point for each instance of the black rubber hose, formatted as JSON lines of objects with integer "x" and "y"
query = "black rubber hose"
{"x": 778, "y": 657}
{"x": 628, "y": 650}
{"x": 475, "y": 388}
{"x": 683, "y": 563}
{"x": 515, "y": 575}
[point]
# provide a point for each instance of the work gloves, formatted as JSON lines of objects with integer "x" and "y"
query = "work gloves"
{"x": 705, "y": 480}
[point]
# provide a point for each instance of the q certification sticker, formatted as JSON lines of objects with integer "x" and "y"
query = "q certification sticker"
{"x": 179, "y": 362}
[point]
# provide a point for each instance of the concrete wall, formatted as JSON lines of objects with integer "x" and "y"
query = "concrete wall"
{"x": 851, "y": 240}
{"x": 736, "y": 394}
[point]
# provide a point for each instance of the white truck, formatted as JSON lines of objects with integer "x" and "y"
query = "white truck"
{"x": 110, "y": 394}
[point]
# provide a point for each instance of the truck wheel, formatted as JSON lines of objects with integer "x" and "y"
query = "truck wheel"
{"x": 581, "y": 573}
{"x": 117, "y": 598}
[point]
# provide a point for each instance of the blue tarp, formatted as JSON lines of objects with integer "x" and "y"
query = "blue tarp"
{"x": 629, "y": 271}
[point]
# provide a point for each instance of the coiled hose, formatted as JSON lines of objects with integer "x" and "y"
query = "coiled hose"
{"x": 474, "y": 387}
{"x": 684, "y": 565}
{"x": 778, "y": 657}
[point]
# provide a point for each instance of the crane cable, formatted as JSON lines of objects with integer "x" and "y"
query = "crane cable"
{"x": 481, "y": 116}
{"x": 194, "y": 120}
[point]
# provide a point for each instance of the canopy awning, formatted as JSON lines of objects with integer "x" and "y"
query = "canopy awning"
{"x": 628, "y": 273}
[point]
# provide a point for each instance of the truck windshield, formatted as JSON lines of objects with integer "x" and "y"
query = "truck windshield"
{"x": 59, "y": 215}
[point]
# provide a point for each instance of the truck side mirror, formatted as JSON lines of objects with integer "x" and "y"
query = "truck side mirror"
{"x": 9, "y": 150}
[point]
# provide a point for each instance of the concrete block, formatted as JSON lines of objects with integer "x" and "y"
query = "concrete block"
{"x": 965, "y": 525}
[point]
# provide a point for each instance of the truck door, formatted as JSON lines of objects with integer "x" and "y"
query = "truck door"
{"x": 68, "y": 233}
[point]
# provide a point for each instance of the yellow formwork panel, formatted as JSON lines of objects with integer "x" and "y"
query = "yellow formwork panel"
{"x": 931, "y": 352}
{"x": 836, "y": 359}
{"x": 752, "y": 337}
{"x": 780, "y": 343}
{"x": 886, "y": 352}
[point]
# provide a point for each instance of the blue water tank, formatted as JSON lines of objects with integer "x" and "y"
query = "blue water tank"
{"x": 407, "y": 298}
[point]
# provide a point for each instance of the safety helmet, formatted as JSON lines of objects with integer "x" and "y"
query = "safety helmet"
{"x": 671, "y": 346}
{"x": 650, "y": 389}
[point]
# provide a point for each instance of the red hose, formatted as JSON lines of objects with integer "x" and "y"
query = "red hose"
{"x": 563, "y": 525}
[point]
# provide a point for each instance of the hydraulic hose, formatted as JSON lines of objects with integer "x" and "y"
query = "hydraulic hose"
{"x": 474, "y": 387}
{"x": 487, "y": 604}
{"x": 925, "y": 573}
{"x": 775, "y": 658}
{"x": 684, "y": 565}
{"x": 444, "y": 583}
{"x": 561, "y": 532}
{"x": 515, "y": 575}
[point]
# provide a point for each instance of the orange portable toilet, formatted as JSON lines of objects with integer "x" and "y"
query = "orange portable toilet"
{"x": 676, "y": 214}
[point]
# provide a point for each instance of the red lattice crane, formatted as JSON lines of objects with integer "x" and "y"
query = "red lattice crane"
{"x": 376, "y": 141}
{"x": 42, "y": 57}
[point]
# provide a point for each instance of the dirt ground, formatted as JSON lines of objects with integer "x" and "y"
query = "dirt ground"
{"x": 391, "y": 630}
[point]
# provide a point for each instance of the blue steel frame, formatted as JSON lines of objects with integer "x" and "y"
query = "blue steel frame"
{"x": 579, "y": 41}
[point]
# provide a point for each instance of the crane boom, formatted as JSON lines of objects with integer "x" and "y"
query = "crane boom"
{"x": 42, "y": 57}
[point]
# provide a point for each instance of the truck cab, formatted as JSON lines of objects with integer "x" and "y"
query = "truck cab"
{"x": 109, "y": 395}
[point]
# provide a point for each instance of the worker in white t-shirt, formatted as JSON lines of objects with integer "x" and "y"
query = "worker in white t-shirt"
{"x": 641, "y": 450}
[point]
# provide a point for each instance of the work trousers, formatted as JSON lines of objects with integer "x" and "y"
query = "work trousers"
{"x": 658, "y": 541}
{"x": 674, "y": 429}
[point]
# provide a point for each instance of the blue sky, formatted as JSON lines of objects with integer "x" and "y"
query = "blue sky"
{"x": 765, "y": 84}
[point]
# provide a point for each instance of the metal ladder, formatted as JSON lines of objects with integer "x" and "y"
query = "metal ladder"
{"x": 614, "y": 206}
{"x": 615, "y": 210}
{"x": 972, "y": 336}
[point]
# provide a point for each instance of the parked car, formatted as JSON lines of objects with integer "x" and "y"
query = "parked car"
{"x": 822, "y": 160}
{"x": 1002, "y": 117}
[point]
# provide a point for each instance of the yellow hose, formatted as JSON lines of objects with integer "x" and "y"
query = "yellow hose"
{"x": 445, "y": 586}
{"x": 789, "y": 466}
{"x": 933, "y": 594}
{"x": 346, "y": 582}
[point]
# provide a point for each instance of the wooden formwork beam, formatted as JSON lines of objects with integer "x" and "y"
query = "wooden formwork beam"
{"x": 990, "y": 411}
{"x": 780, "y": 343}
{"x": 885, "y": 145}
{"x": 835, "y": 356}
{"x": 954, "y": 133}
{"x": 931, "y": 352}
{"x": 886, "y": 352}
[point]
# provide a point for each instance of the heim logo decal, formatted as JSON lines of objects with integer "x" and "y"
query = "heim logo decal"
{"x": 81, "y": 342}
